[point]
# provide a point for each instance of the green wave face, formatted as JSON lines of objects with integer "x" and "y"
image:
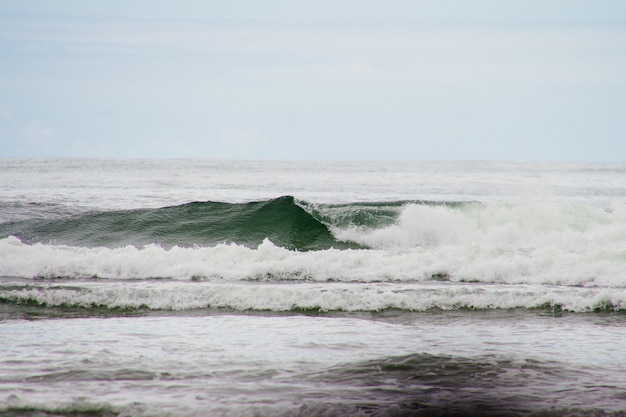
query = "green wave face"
{"x": 280, "y": 220}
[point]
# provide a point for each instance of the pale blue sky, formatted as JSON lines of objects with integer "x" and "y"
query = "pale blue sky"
{"x": 531, "y": 80}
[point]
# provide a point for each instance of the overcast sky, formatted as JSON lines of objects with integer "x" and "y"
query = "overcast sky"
{"x": 525, "y": 80}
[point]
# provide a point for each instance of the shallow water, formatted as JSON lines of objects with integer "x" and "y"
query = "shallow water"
{"x": 499, "y": 362}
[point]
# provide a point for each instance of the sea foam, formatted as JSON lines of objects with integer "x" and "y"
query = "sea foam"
{"x": 603, "y": 266}
{"x": 516, "y": 243}
{"x": 175, "y": 295}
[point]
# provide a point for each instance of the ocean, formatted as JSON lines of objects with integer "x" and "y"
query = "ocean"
{"x": 302, "y": 288}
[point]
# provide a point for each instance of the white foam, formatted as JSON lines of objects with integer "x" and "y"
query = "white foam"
{"x": 529, "y": 242}
{"x": 595, "y": 259}
{"x": 326, "y": 297}
{"x": 528, "y": 224}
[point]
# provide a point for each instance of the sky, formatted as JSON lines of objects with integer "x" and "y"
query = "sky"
{"x": 518, "y": 80}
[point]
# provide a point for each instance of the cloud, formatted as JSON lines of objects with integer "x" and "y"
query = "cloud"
{"x": 443, "y": 130}
{"x": 165, "y": 87}
{"x": 39, "y": 138}
{"x": 337, "y": 71}
{"x": 6, "y": 115}
{"x": 249, "y": 142}
{"x": 413, "y": 51}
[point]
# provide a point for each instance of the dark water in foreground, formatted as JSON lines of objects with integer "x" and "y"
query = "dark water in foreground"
{"x": 394, "y": 363}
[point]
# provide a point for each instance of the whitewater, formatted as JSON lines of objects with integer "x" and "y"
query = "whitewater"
{"x": 199, "y": 287}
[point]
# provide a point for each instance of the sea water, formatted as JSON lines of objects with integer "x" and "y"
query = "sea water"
{"x": 260, "y": 288}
